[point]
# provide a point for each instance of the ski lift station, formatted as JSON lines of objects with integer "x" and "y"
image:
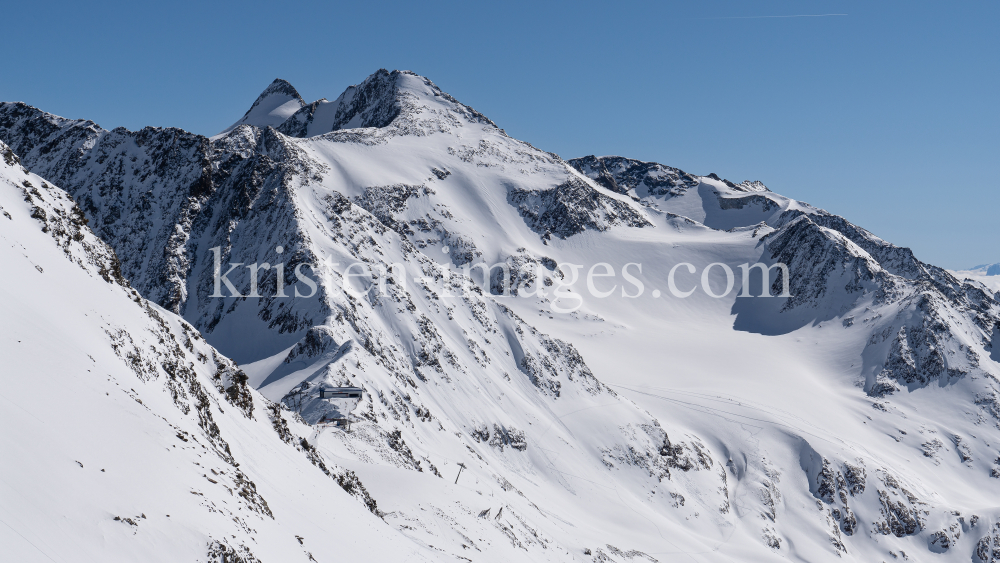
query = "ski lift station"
{"x": 344, "y": 399}
{"x": 340, "y": 393}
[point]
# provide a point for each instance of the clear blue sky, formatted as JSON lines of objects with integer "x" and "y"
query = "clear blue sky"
{"x": 888, "y": 115}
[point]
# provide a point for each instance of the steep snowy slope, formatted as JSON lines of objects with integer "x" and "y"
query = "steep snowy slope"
{"x": 855, "y": 419}
{"x": 469, "y": 391}
{"x": 274, "y": 106}
{"x": 880, "y": 363}
{"x": 126, "y": 437}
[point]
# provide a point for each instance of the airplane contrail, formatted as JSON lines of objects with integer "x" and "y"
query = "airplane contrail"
{"x": 764, "y": 17}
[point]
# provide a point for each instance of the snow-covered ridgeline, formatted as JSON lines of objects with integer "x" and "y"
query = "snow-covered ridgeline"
{"x": 395, "y": 170}
{"x": 127, "y": 436}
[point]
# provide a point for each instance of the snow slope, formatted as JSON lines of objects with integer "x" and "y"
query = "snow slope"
{"x": 274, "y": 106}
{"x": 178, "y": 460}
{"x": 857, "y": 419}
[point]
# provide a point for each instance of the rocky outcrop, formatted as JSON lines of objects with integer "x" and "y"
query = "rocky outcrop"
{"x": 382, "y": 101}
{"x": 633, "y": 177}
{"x": 571, "y": 208}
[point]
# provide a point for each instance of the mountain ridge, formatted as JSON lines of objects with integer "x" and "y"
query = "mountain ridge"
{"x": 898, "y": 348}
{"x": 147, "y": 431}
{"x": 988, "y": 269}
{"x": 272, "y": 107}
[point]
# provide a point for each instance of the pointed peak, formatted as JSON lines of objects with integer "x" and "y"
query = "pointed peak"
{"x": 752, "y": 186}
{"x": 382, "y": 99}
{"x": 279, "y": 101}
{"x": 280, "y": 87}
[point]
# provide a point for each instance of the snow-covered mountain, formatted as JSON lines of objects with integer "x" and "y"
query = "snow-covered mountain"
{"x": 178, "y": 460}
{"x": 274, "y": 106}
{"x": 987, "y": 269}
{"x": 858, "y": 418}
{"x": 987, "y": 274}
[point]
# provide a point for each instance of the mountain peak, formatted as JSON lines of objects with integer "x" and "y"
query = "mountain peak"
{"x": 382, "y": 99}
{"x": 279, "y": 86}
{"x": 987, "y": 269}
{"x": 272, "y": 107}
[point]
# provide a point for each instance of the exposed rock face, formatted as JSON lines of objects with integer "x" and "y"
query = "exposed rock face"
{"x": 164, "y": 197}
{"x": 934, "y": 322}
{"x": 634, "y": 177}
{"x": 381, "y": 101}
{"x": 141, "y": 191}
{"x": 571, "y": 208}
{"x": 274, "y": 105}
{"x": 896, "y": 260}
{"x": 146, "y": 383}
{"x": 752, "y": 186}
{"x": 988, "y": 547}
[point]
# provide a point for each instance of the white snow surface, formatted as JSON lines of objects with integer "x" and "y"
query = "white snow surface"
{"x": 857, "y": 420}
{"x": 272, "y": 108}
{"x": 119, "y": 441}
